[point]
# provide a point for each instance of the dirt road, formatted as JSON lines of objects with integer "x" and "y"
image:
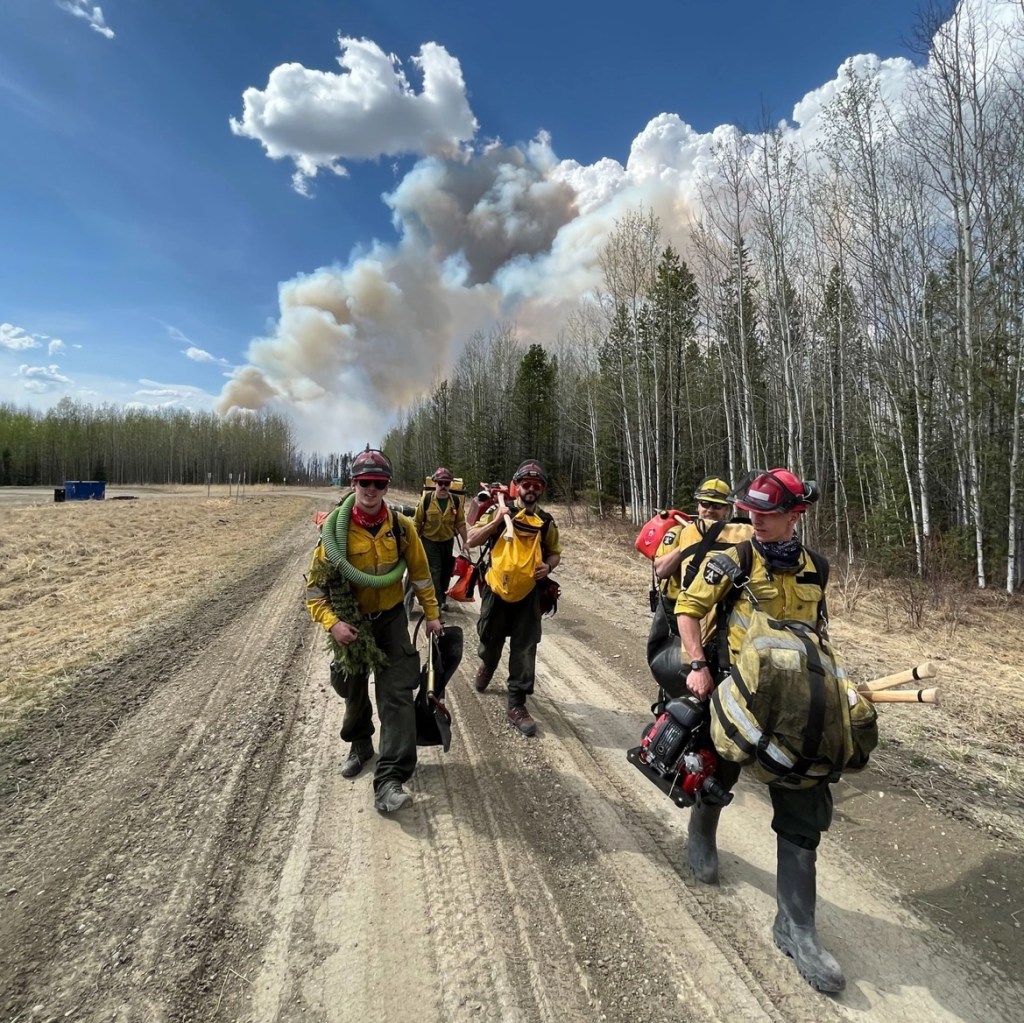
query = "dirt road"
{"x": 178, "y": 845}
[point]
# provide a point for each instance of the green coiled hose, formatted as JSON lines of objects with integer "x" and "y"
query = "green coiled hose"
{"x": 334, "y": 534}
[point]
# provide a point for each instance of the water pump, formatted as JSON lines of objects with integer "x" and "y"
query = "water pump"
{"x": 676, "y": 754}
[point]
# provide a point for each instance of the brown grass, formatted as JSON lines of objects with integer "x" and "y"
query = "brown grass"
{"x": 80, "y": 582}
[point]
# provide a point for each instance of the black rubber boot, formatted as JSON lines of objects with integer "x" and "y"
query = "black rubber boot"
{"x": 794, "y": 931}
{"x": 702, "y": 846}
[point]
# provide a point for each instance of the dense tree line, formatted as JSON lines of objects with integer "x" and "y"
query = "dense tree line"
{"x": 852, "y": 309}
{"x": 121, "y": 446}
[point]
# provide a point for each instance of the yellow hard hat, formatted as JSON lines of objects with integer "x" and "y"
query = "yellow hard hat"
{"x": 713, "y": 491}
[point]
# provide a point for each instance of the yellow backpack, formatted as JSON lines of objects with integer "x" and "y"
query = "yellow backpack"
{"x": 787, "y": 711}
{"x": 513, "y": 561}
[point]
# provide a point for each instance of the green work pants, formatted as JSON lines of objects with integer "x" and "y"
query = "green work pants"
{"x": 520, "y": 622}
{"x": 799, "y": 815}
{"x": 395, "y": 690}
{"x": 439, "y": 558}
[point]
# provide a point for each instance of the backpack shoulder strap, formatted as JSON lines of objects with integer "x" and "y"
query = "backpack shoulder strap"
{"x": 739, "y": 573}
{"x": 546, "y": 518}
{"x": 821, "y": 570}
{"x": 426, "y": 501}
{"x": 401, "y": 533}
{"x": 699, "y": 550}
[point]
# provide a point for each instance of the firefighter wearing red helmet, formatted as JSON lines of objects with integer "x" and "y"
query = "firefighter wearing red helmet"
{"x": 519, "y": 620}
{"x": 440, "y": 517}
{"x": 788, "y": 581}
{"x": 378, "y": 538}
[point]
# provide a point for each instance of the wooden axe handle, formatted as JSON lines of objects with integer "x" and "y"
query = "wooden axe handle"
{"x": 925, "y": 670}
{"x": 903, "y": 696}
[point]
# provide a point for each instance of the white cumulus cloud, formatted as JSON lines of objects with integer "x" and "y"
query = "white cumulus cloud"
{"x": 16, "y": 339}
{"x": 370, "y": 109}
{"x": 40, "y": 379}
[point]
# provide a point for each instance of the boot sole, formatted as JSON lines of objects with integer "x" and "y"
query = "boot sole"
{"x": 386, "y": 810}
{"x": 820, "y": 986}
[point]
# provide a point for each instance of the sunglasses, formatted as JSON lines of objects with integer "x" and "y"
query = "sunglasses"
{"x": 708, "y": 504}
{"x": 376, "y": 484}
{"x": 442, "y": 483}
{"x": 531, "y": 485}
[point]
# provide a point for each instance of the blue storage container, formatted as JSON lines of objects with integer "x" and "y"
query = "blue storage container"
{"x": 84, "y": 490}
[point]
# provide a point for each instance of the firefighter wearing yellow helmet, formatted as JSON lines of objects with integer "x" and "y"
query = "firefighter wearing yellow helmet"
{"x": 677, "y": 561}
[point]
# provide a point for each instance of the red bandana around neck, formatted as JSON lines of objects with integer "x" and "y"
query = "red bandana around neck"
{"x": 360, "y": 518}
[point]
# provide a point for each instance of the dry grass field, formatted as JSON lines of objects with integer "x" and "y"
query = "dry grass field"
{"x": 81, "y": 582}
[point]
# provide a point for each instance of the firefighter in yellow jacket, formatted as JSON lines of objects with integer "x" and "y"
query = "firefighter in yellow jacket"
{"x": 377, "y": 539}
{"x": 674, "y": 563}
{"x": 440, "y": 517}
{"x": 519, "y": 620}
{"x": 788, "y": 582}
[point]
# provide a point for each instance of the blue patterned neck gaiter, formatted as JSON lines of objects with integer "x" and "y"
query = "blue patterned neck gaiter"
{"x": 781, "y": 555}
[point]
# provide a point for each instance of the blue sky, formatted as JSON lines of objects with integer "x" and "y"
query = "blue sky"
{"x": 154, "y": 253}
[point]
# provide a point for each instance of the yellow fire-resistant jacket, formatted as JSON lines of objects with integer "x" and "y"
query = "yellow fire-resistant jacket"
{"x": 793, "y": 596}
{"x": 689, "y": 537}
{"x": 377, "y": 555}
{"x": 437, "y": 524}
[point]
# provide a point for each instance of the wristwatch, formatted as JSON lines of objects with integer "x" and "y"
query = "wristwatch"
{"x": 697, "y": 665}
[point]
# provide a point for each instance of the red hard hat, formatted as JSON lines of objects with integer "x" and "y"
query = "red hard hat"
{"x": 774, "y": 490}
{"x": 530, "y": 469}
{"x": 371, "y": 465}
{"x": 442, "y": 475}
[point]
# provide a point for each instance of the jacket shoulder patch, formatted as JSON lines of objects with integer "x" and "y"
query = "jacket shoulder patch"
{"x": 713, "y": 575}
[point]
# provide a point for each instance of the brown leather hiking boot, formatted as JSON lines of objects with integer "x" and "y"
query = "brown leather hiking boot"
{"x": 483, "y": 678}
{"x": 520, "y": 718}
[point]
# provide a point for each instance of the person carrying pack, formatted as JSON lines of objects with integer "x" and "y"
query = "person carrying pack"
{"x": 524, "y": 550}
{"x": 354, "y": 592}
{"x": 678, "y": 558}
{"x": 441, "y": 516}
{"x": 787, "y": 581}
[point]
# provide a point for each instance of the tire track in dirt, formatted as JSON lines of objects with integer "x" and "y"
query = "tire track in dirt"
{"x": 602, "y": 909}
{"x": 117, "y": 884}
{"x": 891, "y": 956}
